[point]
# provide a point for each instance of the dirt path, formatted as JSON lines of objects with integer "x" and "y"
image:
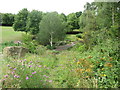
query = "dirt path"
{"x": 65, "y": 47}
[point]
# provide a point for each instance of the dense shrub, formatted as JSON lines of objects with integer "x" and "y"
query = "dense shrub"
{"x": 30, "y": 44}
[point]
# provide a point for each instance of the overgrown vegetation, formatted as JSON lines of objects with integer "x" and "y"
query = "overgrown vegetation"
{"x": 93, "y": 62}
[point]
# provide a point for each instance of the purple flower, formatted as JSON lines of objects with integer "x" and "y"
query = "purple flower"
{"x": 34, "y": 72}
{"x": 30, "y": 61}
{"x": 8, "y": 65}
{"x": 31, "y": 76}
{"x": 13, "y": 72}
{"x": 14, "y": 69}
{"x": 27, "y": 78}
{"x": 6, "y": 76}
{"x": 50, "y": 81}
{"x": 17, "y": 76}
{"x": 44, "y": 75}
{"x": 3, "y": 79}
{"x": 20, "y": 61}
{"x": 24, "y": 59}
{"x": 40, "y": 66}
{"x": 30, "y": 65}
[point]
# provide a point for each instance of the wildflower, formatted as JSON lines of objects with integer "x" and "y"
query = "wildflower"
{"x": 12, "y": 72}
{"x": 104, "y": 75}
{"x": 30, "y": 66}
{"x": 27, "y": 78}
{"x": 89, "y": 57}
{"x": 50, "y": 81}
{"x": 20, "y": 61}
{"x": 6, "y": 76}
{"x": 30, "y": 61}
{"x": 15, "y": 75}
{"x": 44, "y": 75}
{"x": 102, "y": 58}
{"x": 82, "y": 59}
{"x": 3, "y": 79}
{"x": 108, "y": 65}
{"x": 111, "y": 58}
{"x": 91, "y": 66}
{"x": 24, "y": 59}
{"x": 31, "y": 76}
{"x": 8, "y": 65}
{"x": 88, "y": 70}
{"x": 39, "y": 66}
{"x": 34, "y": 72}
{"x": 102, "y": 69}
{"x": 78, "y": 62}
{"x": 14, "y": 69}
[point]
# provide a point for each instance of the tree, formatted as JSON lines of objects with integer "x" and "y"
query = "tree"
{"x": 51, "y": 29}
{"x": 7, "y": 19}
{"x": 34, "y": 18}
{"x": 78, "y": 14}
{"x": 20, "y": 20}
{"x": 72, "y": 21}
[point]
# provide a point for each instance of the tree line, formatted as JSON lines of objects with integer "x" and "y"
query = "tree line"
{"x": 97, "y": 20}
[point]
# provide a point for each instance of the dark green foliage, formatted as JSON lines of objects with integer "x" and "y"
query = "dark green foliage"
{"x": 72, "y": 21}
{"x": 78, "y": 14}
{"x": 20, "y": 20}
{"x": 7, "y": 19}
{"x": 79, "y": 35}
{"x": 33, "y": 20}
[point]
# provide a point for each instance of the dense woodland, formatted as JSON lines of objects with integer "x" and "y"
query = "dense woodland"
{"x": 98, "y": 44}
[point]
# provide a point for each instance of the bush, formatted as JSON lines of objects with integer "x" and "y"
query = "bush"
{"x": 40, "y": 50}
{"x": 79, "y": 35}
{"x": 11, "y": 43}
{"x": 49, "y": 47}
{"x": 30, "y": 44}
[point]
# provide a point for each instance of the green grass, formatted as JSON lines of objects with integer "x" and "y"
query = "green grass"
{"x": 8, "y": 34}
{"x": 71, "y": 37}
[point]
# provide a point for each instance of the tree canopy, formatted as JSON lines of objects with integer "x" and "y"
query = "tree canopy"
{"x": 20, "y": 20}
{"x": 51, "y": 29}
{"x": 33, "y": 20}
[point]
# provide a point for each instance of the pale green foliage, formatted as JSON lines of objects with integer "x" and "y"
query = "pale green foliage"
{"x": 51, "y": 29}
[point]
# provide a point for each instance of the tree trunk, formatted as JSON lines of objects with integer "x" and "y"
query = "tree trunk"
{"x": 51, "y": 40}
{"x": 113, "y": 18}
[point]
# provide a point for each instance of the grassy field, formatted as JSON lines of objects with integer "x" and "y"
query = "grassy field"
{"x": 8, "y": 34}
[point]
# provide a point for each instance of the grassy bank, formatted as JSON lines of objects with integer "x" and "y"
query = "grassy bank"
{"x": 8, "y": 34}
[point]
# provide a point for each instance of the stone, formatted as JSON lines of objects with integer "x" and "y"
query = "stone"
{"x": 15, "y": 51}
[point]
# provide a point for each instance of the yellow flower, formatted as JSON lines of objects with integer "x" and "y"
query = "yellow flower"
{"x": 88, "y": 70}
{"x": 91, "y": 66}
{"x": 89, "y": 57}
{"x": 108, "y": 65}
{"x": 103, "y": 75}
{"x": 78, "y": 62}
{"x": 102, "y": 69}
